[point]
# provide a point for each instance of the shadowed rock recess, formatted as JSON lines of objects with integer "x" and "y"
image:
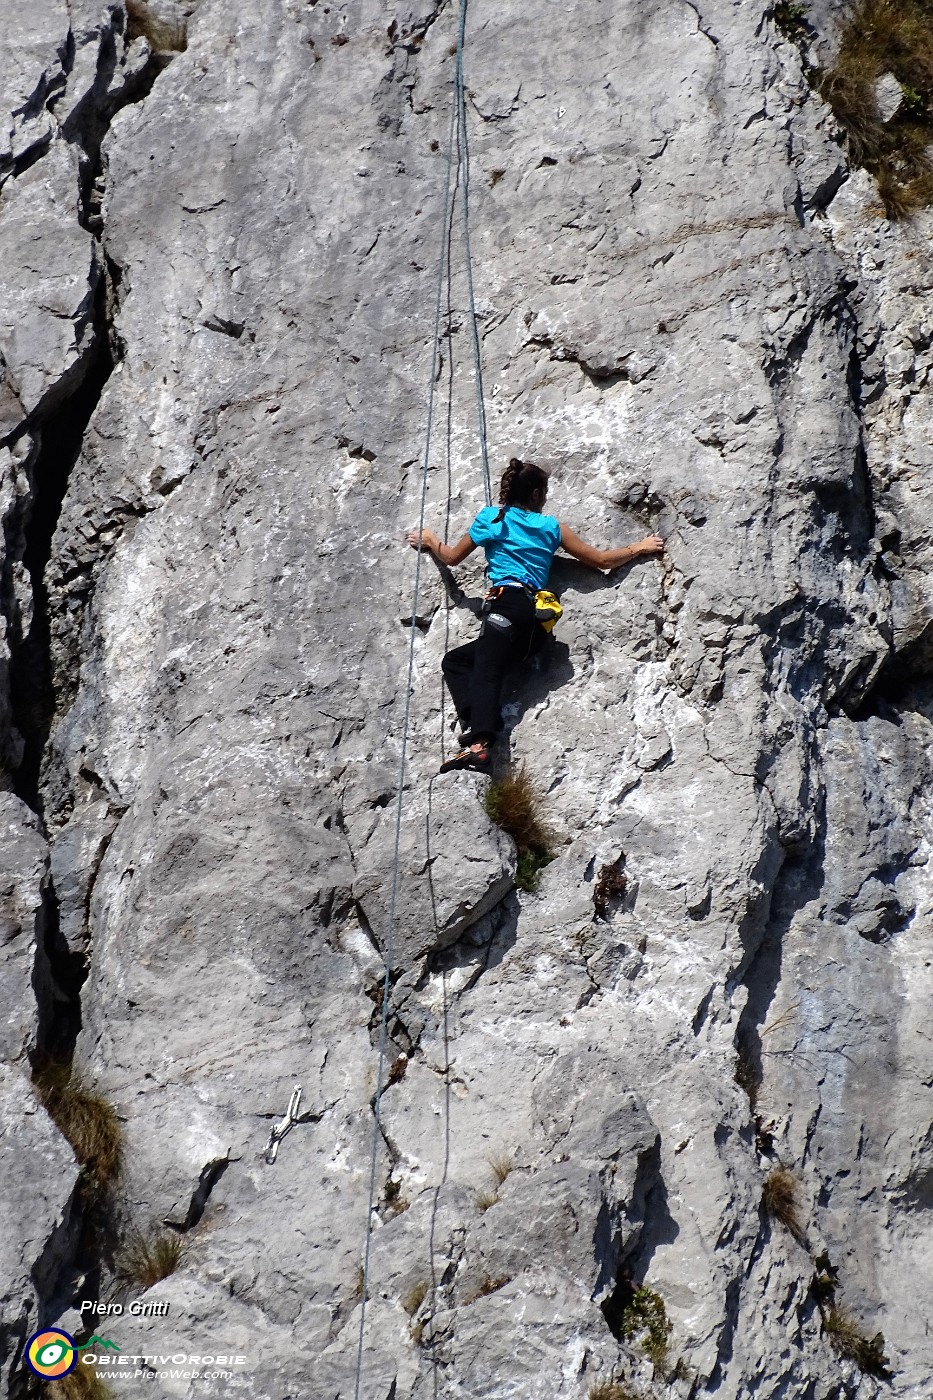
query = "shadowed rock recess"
{"x": 219, "y": 232}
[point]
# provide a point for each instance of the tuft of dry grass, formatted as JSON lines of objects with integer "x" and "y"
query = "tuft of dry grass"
{"x": 412, "y": 1300}
{"x": 87, "y": 1120}
{"x": 780, "y": 1198}
{"x": 514, "y": 804}
{"x": 146, "y": 1260}
{"x": 849, "y": 1341}
{"x": 501, "y": 1167}
{"x": 881, "y": 37}
{"x": 84, "y": 1383}
{"x": 611, "y": 1390}
{"x": 486, "y": 1286}
{"x": 162, "y": 36}
{"x": 485, "y": 1199}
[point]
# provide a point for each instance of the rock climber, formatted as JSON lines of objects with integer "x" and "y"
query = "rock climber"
{"x": 519, "y": 542}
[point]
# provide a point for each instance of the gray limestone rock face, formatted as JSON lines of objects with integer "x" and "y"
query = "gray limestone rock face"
{"x": 39, "y": 1175}
{"x": 690, "y": 314}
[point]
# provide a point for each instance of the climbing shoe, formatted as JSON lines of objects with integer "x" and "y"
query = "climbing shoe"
{"x": 476, "y": 762}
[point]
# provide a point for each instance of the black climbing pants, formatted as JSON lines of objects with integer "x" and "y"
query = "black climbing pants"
{"x": 474, "y": 673}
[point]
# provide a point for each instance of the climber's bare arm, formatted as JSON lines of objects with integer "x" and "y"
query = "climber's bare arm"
{"x": 448, "y": 554}
{"x": 609, "y": 558}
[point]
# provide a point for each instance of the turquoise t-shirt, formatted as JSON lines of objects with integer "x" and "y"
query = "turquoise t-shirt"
{"x": 520, "y": 547}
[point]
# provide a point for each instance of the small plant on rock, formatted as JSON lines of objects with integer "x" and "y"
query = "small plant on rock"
{"x": 780, "y": 1198}
{"x": 147, "y": 1259}
{"x": 89, "y": 1123}
{"x": 845, "y": 1336}
{"x": 84, "y": 1383}
{"x": 514, "y": 804}
{"x": 887, "y": 37}
{"x": 790, "y": 19}
{"x": 412, "y": 1300}
{"x": 645, "y": 1319}
{"x": 501, "y": 1167}
{"x": 611, "y": 1390}
{"x": 849, "y": 1341}
{"x": 611, "y": 883}
{"x": 486, "y": 1286}
{"x": 162, "y": 36}
{"x": 395, "y": 1202}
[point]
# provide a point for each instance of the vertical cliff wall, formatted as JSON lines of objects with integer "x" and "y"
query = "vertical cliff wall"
{"x": 220, "y": 226}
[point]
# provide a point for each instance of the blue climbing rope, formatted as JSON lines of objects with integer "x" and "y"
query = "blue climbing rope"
{"x": 457, "y": 135}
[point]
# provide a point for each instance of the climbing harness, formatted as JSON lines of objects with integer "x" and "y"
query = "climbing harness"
{"x": 457, "y": 131}
{"x": 548, "y": 609}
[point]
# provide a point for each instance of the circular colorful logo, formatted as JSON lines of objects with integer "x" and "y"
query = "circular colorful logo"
{"x": 51, "y": 1354}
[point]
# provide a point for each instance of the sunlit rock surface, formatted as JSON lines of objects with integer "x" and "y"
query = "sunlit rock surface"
{"x": 692, "y": 314}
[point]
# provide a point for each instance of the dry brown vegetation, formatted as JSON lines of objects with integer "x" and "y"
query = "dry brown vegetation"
{"x": 486, "y": 1286}
{"x": 611, "y": 883}
{"x": 88, "y": 1122}
{"x": 611, "y": 1390}
{"x": 146, "y": 1260}
{"x": 849, "y": 1341}
{"x": 500, "y": 1166}
{"x": 83, "y": 1383}
{"x": 780, "y": 1198}
{"x": 896, "y": 37}
{"x": 162, "y": 36}
{"x": 514, "y": 804}
{"x": 415, "y": 1296}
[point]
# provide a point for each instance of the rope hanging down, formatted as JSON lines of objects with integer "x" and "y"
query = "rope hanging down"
{"x": 457, "y": 135}
{"x": 463, "y": 172}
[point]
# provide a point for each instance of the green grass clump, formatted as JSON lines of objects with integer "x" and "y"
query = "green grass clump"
{"x": 896, "y": 37}
{"x": 645, "y": 1319}
{"x": 791, "y": 19}
{"x": 146, "y": 1259}
{"x": 514, "y": 804}
{"x": 89, "y": 1123}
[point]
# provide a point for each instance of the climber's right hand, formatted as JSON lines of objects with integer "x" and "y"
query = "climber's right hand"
{"x": 425, "y": 538}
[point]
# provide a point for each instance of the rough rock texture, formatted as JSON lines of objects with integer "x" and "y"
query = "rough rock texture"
{"x": 691, "y": 311}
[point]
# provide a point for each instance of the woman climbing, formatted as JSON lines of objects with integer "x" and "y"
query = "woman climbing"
{"x": 519, "y": 543}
